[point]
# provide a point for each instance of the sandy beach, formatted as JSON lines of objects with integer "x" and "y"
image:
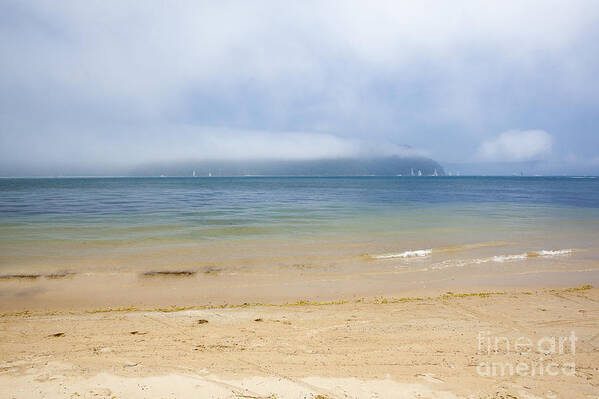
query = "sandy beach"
{"x": 372, "y": 347}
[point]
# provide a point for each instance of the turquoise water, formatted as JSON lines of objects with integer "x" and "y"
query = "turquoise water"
{"x": 155, "y": 222}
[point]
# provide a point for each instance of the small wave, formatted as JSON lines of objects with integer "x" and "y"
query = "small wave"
{"x": 554, "y": 252}
{"x": 405, "y": 254}
{"x": 526, "y": 255}
{"x": 531, "y": 254}
{"x": 503, "y": 258}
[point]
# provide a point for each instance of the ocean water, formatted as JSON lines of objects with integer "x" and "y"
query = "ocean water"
{"x": 280, "y": 223}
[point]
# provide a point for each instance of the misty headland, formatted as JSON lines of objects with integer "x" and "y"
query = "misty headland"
{"x": 384, "y": 166}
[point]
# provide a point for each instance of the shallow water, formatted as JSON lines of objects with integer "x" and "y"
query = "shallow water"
{"x": 262, "y": 224}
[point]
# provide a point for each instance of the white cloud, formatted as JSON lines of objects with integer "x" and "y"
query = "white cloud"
{"x": 516, "y": 145}
{"x": 229, "y": 144}
{"x": 188, "y": 142}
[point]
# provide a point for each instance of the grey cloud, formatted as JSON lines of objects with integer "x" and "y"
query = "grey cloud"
{"x": 92, "y": 80}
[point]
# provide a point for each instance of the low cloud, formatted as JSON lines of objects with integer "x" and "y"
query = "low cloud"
{"x": 88, "y": 151}
{"x": 516, "y": 146}
{"x": 209, "y": 143}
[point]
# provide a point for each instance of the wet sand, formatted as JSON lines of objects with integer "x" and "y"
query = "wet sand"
{"x": 67, "y": 290}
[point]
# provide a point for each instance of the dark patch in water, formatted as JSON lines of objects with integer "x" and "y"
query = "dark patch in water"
{"x": 58, "y": 275}
{"x": 19, "y": 276}
{"x": 174, "y": 273}
{"x": 212, "y": 270}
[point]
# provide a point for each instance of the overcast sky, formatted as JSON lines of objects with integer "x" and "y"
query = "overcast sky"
{"x": 105, "y": 83}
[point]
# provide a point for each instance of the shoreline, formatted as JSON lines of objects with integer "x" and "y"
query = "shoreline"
{"x": 375, "y": 300}
{"x": 71, "y": 292}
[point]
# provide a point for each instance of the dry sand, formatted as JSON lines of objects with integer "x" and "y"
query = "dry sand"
{"x": 369, "y": 348}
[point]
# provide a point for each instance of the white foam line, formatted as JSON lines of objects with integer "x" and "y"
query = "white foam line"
{"x": 405, "y": 254}
{"x": 533, "y": 254}
{"x": 554, "y": 252}
{"x": 504, "y": 258}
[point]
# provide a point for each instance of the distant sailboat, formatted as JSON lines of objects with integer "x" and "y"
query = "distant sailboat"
{"x": 209, "y": 174}
{"x": 435, "y": 173}
{"x": 194, "y": 173}
{"x": 419, "y": 172}
{"x": 411, "y": 171}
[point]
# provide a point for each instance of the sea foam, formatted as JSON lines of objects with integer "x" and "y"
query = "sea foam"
{"x": 503, "y": 258}
{"x": 526, "y": 255}
{"x": 405, "y": 254}
{"x": 554, "y": 252}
